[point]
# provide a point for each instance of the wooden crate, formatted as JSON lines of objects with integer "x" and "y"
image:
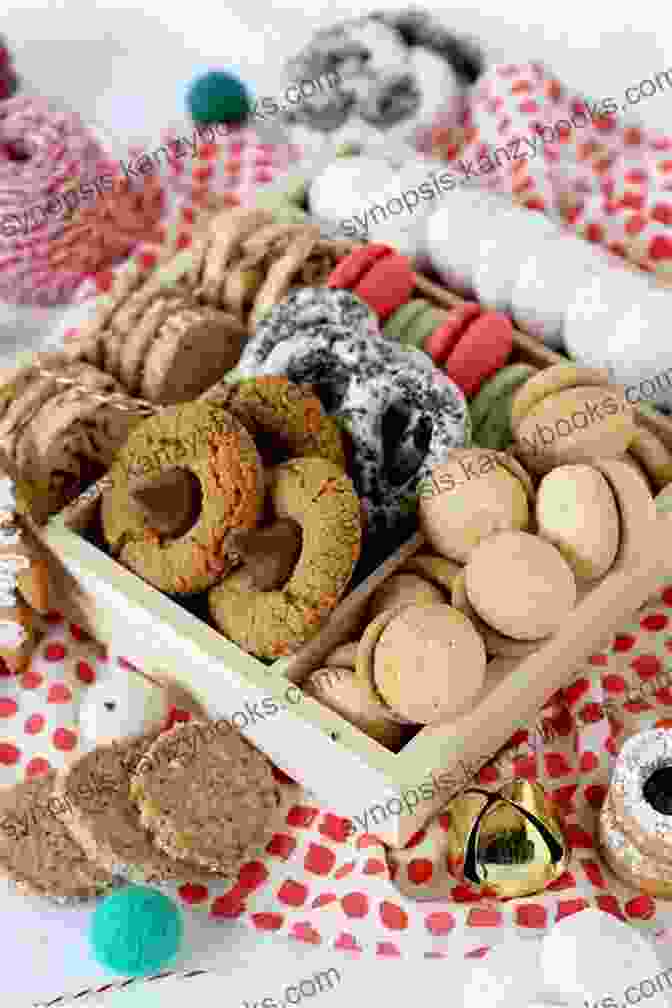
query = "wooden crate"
{"x": 342, "y": 765}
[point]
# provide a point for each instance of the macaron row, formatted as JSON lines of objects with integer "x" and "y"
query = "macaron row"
{"x": 468, "y": 343}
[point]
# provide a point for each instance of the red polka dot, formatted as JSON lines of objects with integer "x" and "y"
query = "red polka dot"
{"x": 613, "y": 683}
{"x": 355, "y": 904}
{"x": 565, "y": 881}
{"x": 484, "y": 917}
{"x": 36, "y": 767}
{"x": 556, "y": 765}
{"x": 147, "y": 260}
{"x": 59, "y": 693}
{"x": 281, "y": 846}
{"x": 268, "y": 921}
{"x": 578, "y": 837}
{"x": 635, "y": 224}
{"x": 85, "y": 673}
{"x": 623, "y": 642}
{"x": 594, "y": 874}
{"x": 531, "y": 915}
{"x": 293, "y": 893}
{"x": 393, "y": 916}
{"x": 488, "y": 774}
{"x": 64, "y": 739}
{"x": 34, "y": 724}
{"x": 667, "y": 596}
{"x": 344, "y": 870}
{"x": 594, "y": 232}
{"x": 660, "y": 247}
{"x": 31, "y": 679}
{"x": 104, "y": 281}
{"x": 609, "y": 904}
{"x": 564, "y": 796}
{"x": 251, "y": 876}
{"x": 654, "y": 622}
{"x": 595, "y": 795}
{"x": 4, "y": 670}
{"x": 8, "y": 708}
{"x": 588, "y": 762}
{"x": 9, "y": 754}
{"x": 420, "y": 870}
{"x": 300, "y": 816}
{"x": 611, "y": 745}
{"x": 642, "y": 907}
{"x": 568, "y": 907}
{"x": 416, "y": 839}
{"x": 646, "y": 666}
{"x": 232, "y": 904}
{"x": 525, "y": 767}
{"x": 632, "y": 201}
{"x": 440, "y": 923}
{"x": 374, "y": 866}
{"x": 78, "y": 633}
{"x": 335, "y": 828}
{"x": 664, "y": 695}
{"x": 464, "y": 894}
{"x": 576, "y": 690}
{"x": 319, "y": 860}
{"x": 55, "y": 652}
{"x": 192, "y": 893}
{"x": 591, "y": 713}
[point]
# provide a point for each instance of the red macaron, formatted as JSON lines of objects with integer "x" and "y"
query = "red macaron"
{"x": 444, "y": 339}
{"x": 378, "y": 275}
{"x": 484, "y": 347}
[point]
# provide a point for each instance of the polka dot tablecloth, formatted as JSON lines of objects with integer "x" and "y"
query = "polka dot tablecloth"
{"x": 314, "y": 884}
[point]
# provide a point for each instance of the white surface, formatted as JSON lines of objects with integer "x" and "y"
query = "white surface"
{"x": 125, "y": 68}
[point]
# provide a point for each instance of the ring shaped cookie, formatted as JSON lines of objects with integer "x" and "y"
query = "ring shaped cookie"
{"x": 281, "y": 416}
{"x": 639, "y": 758}
{"x": 318, "y": 496}
{"x": 215, "y": 448}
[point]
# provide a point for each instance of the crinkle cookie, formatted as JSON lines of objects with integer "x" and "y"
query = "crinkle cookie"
{"x": 320, "y": 498}
{"x": 61, "y": 424}
{"x": 36, "y": 850}
{"x": 211, "y": 445}
{"x": 94, "y": 794}
{"x": 287, "y": 421}
{"x": 206, "y": 794}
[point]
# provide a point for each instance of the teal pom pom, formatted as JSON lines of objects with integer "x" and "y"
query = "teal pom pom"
{"x": 136, "y": 931}
{"x": 218, "y": 97}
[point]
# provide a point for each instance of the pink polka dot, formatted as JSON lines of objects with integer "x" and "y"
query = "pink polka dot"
{"x": 34, "y": 724}
{"x": 355, "y": 904}
{"x": 31, "y": 679}
{"x": 8, "y": 708}
{"x": 393, "y": 916}
{"x": 293, "y": 893}
{"x": 347, "y": 943}
{"x": 55, "y": 652}
{"x": 36, "y": 767}
{"x": 387, "y": 949}
{"x": 85, "y": 673}
{"x": 373, "y": 866}
{"x": 59, "y": 693}
{"x": 306, "y": 933}
{"x": 440, "y": 923}
{"x": 9, "y": 754}
{"x": 319, "y": 860}
{"x": 64, "y": 739}
{"x": 420, "y": 870}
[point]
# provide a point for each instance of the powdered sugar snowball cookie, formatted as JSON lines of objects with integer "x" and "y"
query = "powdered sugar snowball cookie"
{"x": 637, "y": 792}
{"x": 594, "y": 309}
{"x": 547, "y": 278}
{"x": 207, "y": 795}
{"x": 121, "y": 706}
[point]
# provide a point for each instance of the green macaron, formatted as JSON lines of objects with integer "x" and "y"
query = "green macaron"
{"x": 412, "y": 323}
{"x": 495, "y": 431}
{"x": 501, "y": 384}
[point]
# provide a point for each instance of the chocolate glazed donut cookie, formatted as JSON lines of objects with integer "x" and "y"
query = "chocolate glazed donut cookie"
{"x": 216, "y": 458}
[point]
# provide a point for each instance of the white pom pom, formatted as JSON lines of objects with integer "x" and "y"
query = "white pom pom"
{"x": 121, "y": 706}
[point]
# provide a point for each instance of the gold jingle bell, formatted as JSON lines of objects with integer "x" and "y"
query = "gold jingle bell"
{"x": 508, "y": 841}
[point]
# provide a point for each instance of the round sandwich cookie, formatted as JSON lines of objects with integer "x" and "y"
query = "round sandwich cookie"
{"x": 193, "y": 460}
{"x": 577, "y": 512}
{"x": 541, "y": 590}
{"x": 636, "y": 508}
{"x": 428, "y": 663}
{"x": 207, "y": 795}
{"x": 471, "y": 495}
{"x": 551, "y": 380}
{"x": 347, "y": 694}
{"x": 94, "y": 791}
{"x": 37, "y": 852}
{"x": 403, "y": 589}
